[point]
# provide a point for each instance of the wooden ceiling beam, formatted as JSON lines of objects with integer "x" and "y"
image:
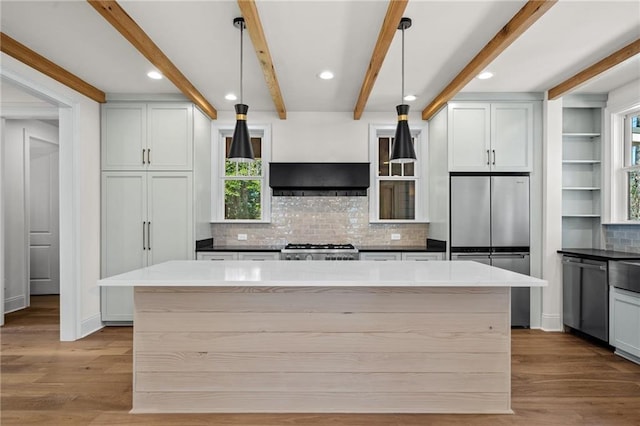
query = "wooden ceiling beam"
{"x": 520, "y": 22}
{"x": 249, "y": 12}
{"x": 385, "y": 37}
{"x": 121, "y": 21}
{"x": 38, "y": 62}
{"x": 599, "y": 67}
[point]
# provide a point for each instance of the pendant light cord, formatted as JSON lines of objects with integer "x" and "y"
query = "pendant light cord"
{"x": 402, "y": 100}
{"x": 241, "y": 56}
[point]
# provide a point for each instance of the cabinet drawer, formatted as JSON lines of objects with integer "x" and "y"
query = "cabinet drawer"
{"x": 248, "y": 255}
{"x": 419, "y": 256}
{"x": 380, "y": 256}
{"x": 220, "y": 255}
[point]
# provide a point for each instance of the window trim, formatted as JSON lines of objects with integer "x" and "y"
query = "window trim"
{"x": 420, "y": 176}
{"x": 219, "y": 134}
{"x": 620, "y": 168}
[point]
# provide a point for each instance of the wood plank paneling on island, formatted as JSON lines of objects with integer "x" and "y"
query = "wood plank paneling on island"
{"x": 327, "y": 350}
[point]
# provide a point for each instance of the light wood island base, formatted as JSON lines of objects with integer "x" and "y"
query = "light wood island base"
{"x": 321, "y": 349}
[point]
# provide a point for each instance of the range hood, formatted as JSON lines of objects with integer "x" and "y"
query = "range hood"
{"x": 319, "y": 179}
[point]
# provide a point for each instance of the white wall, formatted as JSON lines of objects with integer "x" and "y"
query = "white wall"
{"x": 438, "y": 177}
{"x": 552, "y": 216}
{"x": 79, "y": 198}
{"x": 319, "y": 136}
{"x": 2, "y": 234}
{"x": 202, "y": 174}
{"x": 16, "y": 228}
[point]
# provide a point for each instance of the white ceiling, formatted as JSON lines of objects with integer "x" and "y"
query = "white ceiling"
{"x": 306, "y": 37}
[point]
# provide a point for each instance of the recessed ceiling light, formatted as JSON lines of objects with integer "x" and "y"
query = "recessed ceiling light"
{"x": 326, "y": 75}
{"x": 230, "y": 97}
{"x": 154, "y": 75}
{"x": 485, "y": 75}
{"x": 410, "y": 98}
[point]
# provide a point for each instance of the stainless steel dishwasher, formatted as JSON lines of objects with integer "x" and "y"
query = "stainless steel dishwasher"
{"x": 585, "y": 293}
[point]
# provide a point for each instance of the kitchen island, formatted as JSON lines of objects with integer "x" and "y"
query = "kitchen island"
{"x": 325, "y": 336}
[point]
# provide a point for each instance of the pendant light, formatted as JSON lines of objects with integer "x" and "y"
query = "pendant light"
{"x": 402, "y": 150}
{"x": 241, "y": 150}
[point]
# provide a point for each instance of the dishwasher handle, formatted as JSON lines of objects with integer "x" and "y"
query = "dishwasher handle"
{"x": 584, "y": 265}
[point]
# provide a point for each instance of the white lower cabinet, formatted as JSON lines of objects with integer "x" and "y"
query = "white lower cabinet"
{"x": 240, "y": 255}
{"x": 421, "y": 256}
{"x": 147, "y": 218}
{"x": 624, "y": 333}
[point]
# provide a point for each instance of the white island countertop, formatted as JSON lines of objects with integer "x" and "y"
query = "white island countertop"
{"x": 248, "y": 273}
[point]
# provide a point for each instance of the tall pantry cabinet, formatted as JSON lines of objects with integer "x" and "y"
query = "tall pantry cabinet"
{"x": 147, "y": 193}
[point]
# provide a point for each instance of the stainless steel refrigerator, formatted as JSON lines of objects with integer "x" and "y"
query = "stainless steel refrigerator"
{"x": 490, "y": 224}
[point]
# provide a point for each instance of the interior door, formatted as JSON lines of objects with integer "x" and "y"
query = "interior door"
{"x": 44, "y": 238}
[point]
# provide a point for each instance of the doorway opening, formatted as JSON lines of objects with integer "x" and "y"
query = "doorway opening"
{"x": 29, "y": 165}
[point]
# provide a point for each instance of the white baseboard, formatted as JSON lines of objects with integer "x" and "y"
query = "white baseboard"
{"x": 627, "y": 355}
{"x": 91, "y": 325}
{"x": 15, "y": 303}
{"x": 552, "y": 323}
{"x": 40, "y": 288}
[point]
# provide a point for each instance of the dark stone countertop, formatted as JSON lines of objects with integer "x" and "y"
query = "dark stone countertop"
{"x": 401, "y": 249}
{"x": 432, "y": 246}
{"x": 596, "y": 254}
{"x": 239, "y": 248}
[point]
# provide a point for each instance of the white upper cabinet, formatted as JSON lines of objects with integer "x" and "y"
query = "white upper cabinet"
{"x": 512, "y": 137}
{"x": 124, "y": 136}
{"x": 487, "y": 137}
{"x": 169, "y": 136}
{"x": 153, "y": 136}
{"x": 469, "y": 137}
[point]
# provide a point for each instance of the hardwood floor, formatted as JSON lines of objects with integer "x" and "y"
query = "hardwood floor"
{"x": 557, "y": 379}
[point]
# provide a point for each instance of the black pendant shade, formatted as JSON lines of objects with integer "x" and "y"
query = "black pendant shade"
{"x": 402, "y": 150}
{"x": 241, "y": 149}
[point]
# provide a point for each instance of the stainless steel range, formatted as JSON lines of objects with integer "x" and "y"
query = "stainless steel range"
{"x": 319, "y": 252}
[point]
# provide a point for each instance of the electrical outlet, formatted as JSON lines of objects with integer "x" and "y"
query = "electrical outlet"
{"x": 242, "y": 237}
{"x": 395, "y": 236}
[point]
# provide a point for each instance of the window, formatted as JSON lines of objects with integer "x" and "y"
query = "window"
{"x": 241, "y": 190}
{"x": 632, "y": 164}
{"x": 398, "y": 191}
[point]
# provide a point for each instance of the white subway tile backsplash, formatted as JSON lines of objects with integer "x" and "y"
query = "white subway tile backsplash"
{"x": 320, "y": 220}
{"x": 622, "y": 238}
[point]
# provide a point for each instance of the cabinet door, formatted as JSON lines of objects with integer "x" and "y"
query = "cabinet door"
{"x": 170, "y": 130}
{"x": 124, "y": 135}
{"x": 419, "y": 256}
{"x": 469, "y": 137}
{"x": 626, "y": 321}
{"x": 170, "y": 217}
{"x": 512, "y": 137}
{"x": 381, "y": 256}
{"x": 124, "y": 212}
